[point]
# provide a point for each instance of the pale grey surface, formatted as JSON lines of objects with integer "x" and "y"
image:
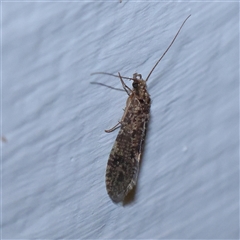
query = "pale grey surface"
{"x": 54, "y": 160}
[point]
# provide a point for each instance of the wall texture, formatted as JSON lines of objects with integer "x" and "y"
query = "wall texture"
{"x": 55, "y": 150}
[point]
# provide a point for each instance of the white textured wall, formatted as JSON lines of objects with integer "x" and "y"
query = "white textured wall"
{"x": 54, "y": 160}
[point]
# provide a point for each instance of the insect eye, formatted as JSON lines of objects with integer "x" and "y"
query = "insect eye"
{"x": 135, "y": 85}
{"x": 137, "y": 76}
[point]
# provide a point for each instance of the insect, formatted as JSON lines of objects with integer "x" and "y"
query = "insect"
{"x": 124, "y": 160}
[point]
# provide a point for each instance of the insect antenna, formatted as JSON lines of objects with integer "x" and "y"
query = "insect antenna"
{"x": 105, "y": 85}
{"x": 110, "y": 74}
{"x": 167, "y": 48}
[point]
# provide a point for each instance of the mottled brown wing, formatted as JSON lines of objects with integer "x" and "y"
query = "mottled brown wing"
{"x": 123, "y": 163}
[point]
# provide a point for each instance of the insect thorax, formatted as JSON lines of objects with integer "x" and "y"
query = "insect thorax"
{"x": 140, "y": 89}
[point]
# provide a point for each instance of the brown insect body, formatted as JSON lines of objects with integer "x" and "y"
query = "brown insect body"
{"x": 123, "y": 163}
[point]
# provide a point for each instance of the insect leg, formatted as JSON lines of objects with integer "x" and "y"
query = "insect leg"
{"x": 125, "y": 87}
{"x": 113, "y": 128}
